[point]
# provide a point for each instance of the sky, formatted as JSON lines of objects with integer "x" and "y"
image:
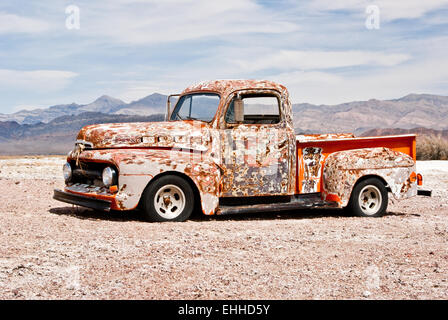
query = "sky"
{"x": 324, "y": 51}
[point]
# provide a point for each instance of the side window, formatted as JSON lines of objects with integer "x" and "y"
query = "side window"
{"x": 257, "y": 110}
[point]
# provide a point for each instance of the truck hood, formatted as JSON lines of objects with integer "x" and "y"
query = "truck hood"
{"x": 174, "y": 134}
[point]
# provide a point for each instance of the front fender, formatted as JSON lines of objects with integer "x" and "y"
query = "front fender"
{"x": 342, "y": 170}
{"x": 137, "y": 167}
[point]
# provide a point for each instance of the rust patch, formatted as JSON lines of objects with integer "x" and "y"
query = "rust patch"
{"x": 312, "y": 160}
{"x": 343, "y": 169}
{"x": 326, "y": 136}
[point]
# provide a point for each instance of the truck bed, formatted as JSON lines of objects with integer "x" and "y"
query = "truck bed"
{"x": 314, "y": 149}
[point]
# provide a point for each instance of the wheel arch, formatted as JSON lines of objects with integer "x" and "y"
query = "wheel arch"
{"x": 368, "y": 176}
{"x": 343, "y": 170}
{"x": 194, "y": 187}
{"x": 363, "y": 207}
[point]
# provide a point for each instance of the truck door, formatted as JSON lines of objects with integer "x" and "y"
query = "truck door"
{"x": 255, "y": 151}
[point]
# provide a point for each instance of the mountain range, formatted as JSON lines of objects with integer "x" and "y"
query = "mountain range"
{"x": 411, "y": 111}
{"x": 52, "y": 130}
{"x": 152, "y": 104}
{"x": 58, "y": 135}
{"x": 420, "y": 131}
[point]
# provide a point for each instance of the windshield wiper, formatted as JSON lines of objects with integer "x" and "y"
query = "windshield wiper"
{"x": 188, "y": 118}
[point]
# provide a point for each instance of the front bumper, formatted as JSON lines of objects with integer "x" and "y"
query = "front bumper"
{"x": 83, "y": 201}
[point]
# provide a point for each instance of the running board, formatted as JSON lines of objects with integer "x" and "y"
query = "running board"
{"x": 299, "y": 202}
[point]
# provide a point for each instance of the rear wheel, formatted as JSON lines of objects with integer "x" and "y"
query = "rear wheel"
{"x": 369, "y": 198}
{"x": 169, "y": 198}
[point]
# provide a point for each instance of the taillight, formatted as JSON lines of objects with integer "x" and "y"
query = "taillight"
{"x": 419, "y": 179}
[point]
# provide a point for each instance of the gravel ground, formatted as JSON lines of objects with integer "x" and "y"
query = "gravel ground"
{"x": 50, "y": 250}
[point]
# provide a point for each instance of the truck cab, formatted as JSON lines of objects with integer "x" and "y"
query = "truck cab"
{"x": 228, "y": 146}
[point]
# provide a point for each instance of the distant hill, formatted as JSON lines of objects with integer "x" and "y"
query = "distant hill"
{"x": 103, "y": 104}
{"x": 57, "y": 136}
{"x": 40, "y": 115}
{"x": 152, "y": 104}
{"x": 414, "y": 110}
{"x": 57, "y": 126}
{"x": 394, "y": 131}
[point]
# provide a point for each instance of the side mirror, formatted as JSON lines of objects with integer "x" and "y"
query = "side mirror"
{"x": 238, "y": 106}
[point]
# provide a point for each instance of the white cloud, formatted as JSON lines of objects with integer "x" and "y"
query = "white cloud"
{"x": 11, "y": 23}
{"x": 36, "y": 80}
{"x": 304, "y": 72}
{"x": 322, "y": 57}
{"x": 307, "y": 60}
{"x": 135, "y": 90}
{"x": 146, "y": 22}
{"x": 389, "y": 9}
{"x": 429, "y": 76}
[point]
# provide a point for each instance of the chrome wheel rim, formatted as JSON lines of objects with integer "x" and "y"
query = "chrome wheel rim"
{"x": 169, "y": 201}
{"x": 370, "y": 200}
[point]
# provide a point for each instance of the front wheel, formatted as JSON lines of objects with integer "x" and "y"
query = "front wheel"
{"x": 369, "y": 198}
{"x": 169, "y": 198}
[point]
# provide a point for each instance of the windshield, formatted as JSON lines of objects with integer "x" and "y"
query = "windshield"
{"x": 197, "y": 106}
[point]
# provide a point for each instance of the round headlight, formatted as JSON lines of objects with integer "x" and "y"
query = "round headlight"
{"x": 67, "y": 171}
{"x": 109, "y": 176}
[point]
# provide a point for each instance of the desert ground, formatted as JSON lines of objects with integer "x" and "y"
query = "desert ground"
{"x": 51, "y": 250}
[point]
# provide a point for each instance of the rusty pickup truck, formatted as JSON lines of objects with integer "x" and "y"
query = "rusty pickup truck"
{"x": 229, "y": 146}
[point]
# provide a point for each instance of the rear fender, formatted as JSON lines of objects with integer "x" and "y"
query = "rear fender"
{"x": 342, "y": 170}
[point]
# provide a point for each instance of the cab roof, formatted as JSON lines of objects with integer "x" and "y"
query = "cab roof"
{"x": 225, "y": 87}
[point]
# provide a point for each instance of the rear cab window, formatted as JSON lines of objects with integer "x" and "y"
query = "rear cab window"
{"x": 258, "y": 109}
